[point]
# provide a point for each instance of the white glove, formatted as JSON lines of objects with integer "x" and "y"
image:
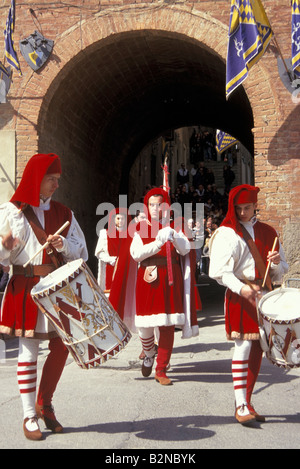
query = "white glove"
{"x": 113, "y": 260}
{"x": 164, "y": 235}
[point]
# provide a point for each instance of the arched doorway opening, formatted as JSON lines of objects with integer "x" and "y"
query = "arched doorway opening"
{"x": 111, "y": 100}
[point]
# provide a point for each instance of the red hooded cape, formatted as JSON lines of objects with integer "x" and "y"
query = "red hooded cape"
{"x": 242, "y": 194}
{"x": 28, "y": 191}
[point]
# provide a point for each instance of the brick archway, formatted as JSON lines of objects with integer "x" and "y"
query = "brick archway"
{"x": 120, "y": 78}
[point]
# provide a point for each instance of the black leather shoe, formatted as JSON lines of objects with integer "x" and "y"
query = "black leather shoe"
{"x": 147, "y": 366}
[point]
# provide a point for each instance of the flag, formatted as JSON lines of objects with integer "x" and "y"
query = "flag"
{"x": 224, "y": 141}
{"x": 5, "y": 81}
{"x": 10, "y": 52}
{"x": 249, "y": 35}
{"x": 296, "y": 37}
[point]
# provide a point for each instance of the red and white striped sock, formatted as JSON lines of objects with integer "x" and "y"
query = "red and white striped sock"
{"x": 27, "y": 374}
{"x": 240, "y": 370}
{"x": 147, "y": 338}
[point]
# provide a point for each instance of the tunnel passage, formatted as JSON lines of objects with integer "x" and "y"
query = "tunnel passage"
{"x": 118, "y": 94}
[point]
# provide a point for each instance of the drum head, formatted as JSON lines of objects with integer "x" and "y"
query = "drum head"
{"x": 73, "y": 302}
{"x": 57, "y": 277}
{"x": 280, "y": 305}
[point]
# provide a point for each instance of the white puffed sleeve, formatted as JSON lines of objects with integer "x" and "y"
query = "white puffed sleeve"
{"x": 225, "y": 257}
{"x": 140, "y": 251}
{"x": 11, "y": 219}
{"x": 74, "y": 244}
{"x": 101, "y": 251}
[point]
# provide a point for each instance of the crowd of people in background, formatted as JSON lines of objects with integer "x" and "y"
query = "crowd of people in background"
{"x": 198, "y": 186}
{"x": 202, "y": 146}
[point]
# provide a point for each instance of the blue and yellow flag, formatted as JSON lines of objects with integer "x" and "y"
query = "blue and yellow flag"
{"x": 296, "y": 37}
{"x": 249, "y": 35}
{"x": 10, "y": 52}
{"x": 224, "y": 141}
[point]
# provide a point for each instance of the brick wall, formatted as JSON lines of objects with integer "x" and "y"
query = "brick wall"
{"x": 123, "y": 71}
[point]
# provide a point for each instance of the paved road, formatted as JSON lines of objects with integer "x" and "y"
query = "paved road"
{"x": 115, "y": 408}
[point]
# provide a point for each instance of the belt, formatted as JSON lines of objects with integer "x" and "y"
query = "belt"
{"x": 157, "y": 261}
{"x": 33, "y": 270}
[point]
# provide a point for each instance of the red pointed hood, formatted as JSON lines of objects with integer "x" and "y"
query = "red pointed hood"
{"x": 28, "y": 191}
{"x": 242, "y": 194}
{"x": 157, "y": 191}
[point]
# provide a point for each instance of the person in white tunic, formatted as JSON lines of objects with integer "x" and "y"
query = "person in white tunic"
{"x": 31, "y": 214}
{"x": 232, "y": 264}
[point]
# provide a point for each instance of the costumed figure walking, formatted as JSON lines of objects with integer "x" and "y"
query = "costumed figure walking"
{"x": 116, "y": 268}
{"x": 159, "y": 302}
{"x": 240, "y": 250}
{"x": 108, "y": 247}
{"x": 27, "y": 221}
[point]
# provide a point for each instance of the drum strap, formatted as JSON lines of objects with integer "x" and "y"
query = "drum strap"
{"x": 40, "y": 233}
{"x": 257, "y": 257}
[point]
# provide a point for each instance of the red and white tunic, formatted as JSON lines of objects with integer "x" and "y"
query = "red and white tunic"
{"x": 231, "y": 262}
{"x": 19, "y": 313}
{"x": 158, "y": 303}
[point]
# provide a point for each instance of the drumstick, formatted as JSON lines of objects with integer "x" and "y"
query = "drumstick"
{"x": 248, "y": 283}
{"x": 47, "y": 243}
{"x": 269, "y": 262}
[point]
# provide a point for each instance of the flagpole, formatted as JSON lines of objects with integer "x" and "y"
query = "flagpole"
{"x": 166, "y": 187}
{"x": 281, "y": 56}
{"x": 1, "y": 76}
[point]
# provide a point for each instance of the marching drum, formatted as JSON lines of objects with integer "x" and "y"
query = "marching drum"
{"x": 280, "y": 314}
{"x": 81, "y": 314}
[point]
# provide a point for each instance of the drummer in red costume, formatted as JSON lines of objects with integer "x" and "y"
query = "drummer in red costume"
{"x": 158, "y": 304}
{"x": 31, "y": 206}
{"x": 232, "y": 265}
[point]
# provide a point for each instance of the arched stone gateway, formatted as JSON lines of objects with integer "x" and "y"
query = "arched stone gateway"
{"x": 121, "y": 77}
